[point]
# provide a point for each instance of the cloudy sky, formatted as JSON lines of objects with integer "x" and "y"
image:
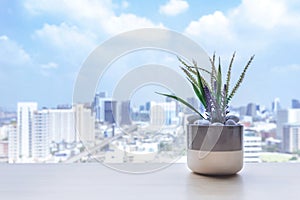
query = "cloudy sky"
{"x": 43, "y": 43}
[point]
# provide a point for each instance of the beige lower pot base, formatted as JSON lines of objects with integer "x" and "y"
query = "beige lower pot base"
{"x": 215, "y": 162}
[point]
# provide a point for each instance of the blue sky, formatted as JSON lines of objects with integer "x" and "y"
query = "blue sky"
{"x": 44, "y": 42}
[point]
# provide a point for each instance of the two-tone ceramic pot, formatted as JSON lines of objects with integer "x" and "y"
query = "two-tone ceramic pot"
{"x": 215, "y": 150}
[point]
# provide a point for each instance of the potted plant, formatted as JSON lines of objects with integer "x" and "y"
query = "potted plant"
{"x": 214, "y": 137}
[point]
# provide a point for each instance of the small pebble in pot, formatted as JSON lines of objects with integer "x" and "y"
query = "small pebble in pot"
{"x": 202, "y": 122}
{"x": 230, "y": 122}
{"x": 217, "y": 124}
{"x": 233, "y": 117}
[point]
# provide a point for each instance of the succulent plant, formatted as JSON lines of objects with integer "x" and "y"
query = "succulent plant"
{"x": 214, "y": 96}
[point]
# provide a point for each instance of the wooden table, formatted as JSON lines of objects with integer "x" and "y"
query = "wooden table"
{"x": 95, "y": 181}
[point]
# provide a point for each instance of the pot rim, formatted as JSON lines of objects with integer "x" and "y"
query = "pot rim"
{"x": 238, "y": 125}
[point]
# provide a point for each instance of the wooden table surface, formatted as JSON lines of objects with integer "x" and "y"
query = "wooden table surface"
{"x": 95, "y": 181}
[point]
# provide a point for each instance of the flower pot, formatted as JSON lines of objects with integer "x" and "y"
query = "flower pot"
{"x": 215, "y": 150}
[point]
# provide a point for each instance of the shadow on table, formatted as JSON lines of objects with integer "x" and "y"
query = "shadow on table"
{"x": 214, "y": 187}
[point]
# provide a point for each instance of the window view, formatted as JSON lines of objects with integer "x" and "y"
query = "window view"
{"x": 44, "y": 45}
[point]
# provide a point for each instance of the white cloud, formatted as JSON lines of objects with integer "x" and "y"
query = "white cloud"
{"x": 174, "y": 7}
{"x": 286, "y": 69}
{"x": 66, "y": 38}
{"x": 125, "y": 22}
{"x": 3, "y": 37}
{"x": 47, "y": 69}
{"x": 266, "y": 14}
{"x": 252, "y": 26}
{"x": 77, "y": 9}
{"x": 215, "y": 25}
{"x": 50, "y": 65}
{"x": 12, "y": 54}
{"x": 13, "y": 59}
{"x": 88, "y": 23}
{"x": 97, "y": 16}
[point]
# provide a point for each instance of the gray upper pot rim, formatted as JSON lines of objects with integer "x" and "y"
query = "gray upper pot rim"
{"x": 199, "y": 125}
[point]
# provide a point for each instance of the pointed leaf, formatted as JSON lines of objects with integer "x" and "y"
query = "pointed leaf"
{"x": 237, "y": 85}
{"x": 189, "y": 75}
{"x": 229, "y": 75}
{"x": 201, "y": 87}
{"x": 199, "y": 94}
{"x": 219, "y": 83}
{"x": 183, "y": 102}
{"x": 213, "y": 74}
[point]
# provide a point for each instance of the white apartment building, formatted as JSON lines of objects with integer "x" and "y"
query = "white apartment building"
{"x": 13, "y": 143}
{"x": 62, "y": 125}
{"x": 84, "y": 123}
{"x": 25, "y": 114}
{"x": 40, "y": 136}
{"x": 71, "y": 125}
{"x": 252, "y": 146}
{"x": 30, "y": 138}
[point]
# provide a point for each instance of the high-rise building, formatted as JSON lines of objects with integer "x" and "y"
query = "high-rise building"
{"x": 84, "y": 122}
{"x": 282, "y": 117}
{"x": 148, "y": 106}
{"x": 108, "y": 111}
{"x": 40, "y": 136}
{"x": 29, "y": 138}
{"x": 105, "y": 109}
{"x": 13, "y": 143}
{"x": 71, "y": 125}
{"x": 291, "y": 138}
{"x": 25, "y": 116}
{"x": 170, "y": 112}
{"x": 162, "y": 113}
{"x": 141, "y": 108}
{"x": 295, "y": 103}
{"x": 3, "y": 150}
{"x": 96, "y": 105}
{"x": 291, "y": 116}
{"x": 62, "y": 125}
{"x": 178, "y": 105}
{"x": 276, "y": 105}
{"x": 125, "y": 113}
{"x": 157, "y": 115}
{"x": 251, "y": 109}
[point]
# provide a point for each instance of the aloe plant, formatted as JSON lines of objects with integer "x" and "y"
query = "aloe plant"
{"x": 214, "y": 96}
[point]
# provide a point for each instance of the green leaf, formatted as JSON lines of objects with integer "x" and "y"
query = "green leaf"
{"x": 213, "y": 74}
{"x": 237, "y": 85}
{"x": 183, "y": 102}
{"x": 199, "y": 94}
{"x": 189, "y": 75}
{"x": 188, "y": 67}
{"x": 199, "y": 68}
{"x": 192, "y": 70}
{"x": 229, "y": 75}
{"x": 201, "y": 87}
{"x": 219, "y": 83}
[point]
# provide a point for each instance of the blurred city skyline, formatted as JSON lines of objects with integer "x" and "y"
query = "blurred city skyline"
{"x": 141, "y": 97}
